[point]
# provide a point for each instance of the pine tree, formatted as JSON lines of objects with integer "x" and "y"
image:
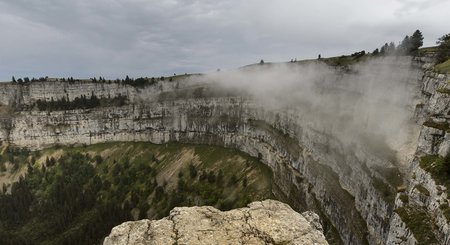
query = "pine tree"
{"x": 376, "y": 52}
{"x": 405, "y": 45}
{"x": 443, "y": 53}
{"x": 391, "y": 48}
{"x": 416, "y": 41}
{"x": 384, "y": 49}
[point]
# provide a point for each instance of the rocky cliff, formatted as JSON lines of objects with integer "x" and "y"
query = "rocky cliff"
{"x": 266, "y": 222}
{"x": 421, "y": 213}
{"x": 353, "y": 187}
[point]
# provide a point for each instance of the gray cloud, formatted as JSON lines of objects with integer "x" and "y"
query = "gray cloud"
{"x": 113, "y": 38}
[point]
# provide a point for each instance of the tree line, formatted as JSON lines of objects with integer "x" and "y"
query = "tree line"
{"x": 408, "y": 46}
{"x": 82, "y": 102}
{"x": 135, "y": 82}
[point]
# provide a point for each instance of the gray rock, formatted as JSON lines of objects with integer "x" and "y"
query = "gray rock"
{"x": 265, "y": 222}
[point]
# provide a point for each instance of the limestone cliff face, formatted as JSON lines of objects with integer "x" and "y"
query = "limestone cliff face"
{"x": 422, "y": 192}
{"x": 266, "y": 222}
{"x": 350, "y": 186}
{"x": 312, "y": 170}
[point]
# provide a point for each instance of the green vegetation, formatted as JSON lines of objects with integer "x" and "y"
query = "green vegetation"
{"x": 51, "y": 205}
{"x": 388, "y": 49}
{"x": 442, "y": 52}
{"x": 422, "y": 190}
{"x": 443, "y": 49}
{"x": 15, "y": 157}
{"x": 411, "y": 45}
{"x": 446, "y": 210}
{"x": 419, "y": 223}
{"x": 408, "y": 46}
{"x": 392, "y": 175}
{"x": 443, "y": 90}
{"x": 75, "y": 195}
{"x": 387, "y": 192}
{"x": 346, "y": 60}
{"x": 404, "y": 198}
{"x": 443, "y": 67}
{"x": 427, "y": 51}
{"x": 140, "y": 82}
{"x": 80, "y": 103}
{"x": 438, "y": 125}
{"x": 438, "y": 167}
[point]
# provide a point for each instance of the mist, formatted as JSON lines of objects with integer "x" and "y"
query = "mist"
{"x": 370, "y": 104}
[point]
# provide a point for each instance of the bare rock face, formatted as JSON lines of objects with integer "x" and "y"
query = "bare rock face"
{"x": 265, "y": 222}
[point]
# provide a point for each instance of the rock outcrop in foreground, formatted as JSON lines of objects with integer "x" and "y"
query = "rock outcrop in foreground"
{"x": 265, "y": 222}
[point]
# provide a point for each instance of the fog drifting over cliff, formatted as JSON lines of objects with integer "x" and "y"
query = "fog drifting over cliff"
{"x": 371, "y": 103}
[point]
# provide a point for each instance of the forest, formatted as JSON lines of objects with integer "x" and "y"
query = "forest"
{"x": 77, "y": 197}
{"x": 81, "y": 102}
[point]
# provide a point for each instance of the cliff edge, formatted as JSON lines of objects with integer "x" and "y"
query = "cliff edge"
{"x": 264, "y": 222}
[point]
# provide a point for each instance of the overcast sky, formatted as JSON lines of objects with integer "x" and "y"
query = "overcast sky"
{"x": 114, "y": 38}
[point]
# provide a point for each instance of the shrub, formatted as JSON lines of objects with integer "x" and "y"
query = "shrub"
{"x": 159, "y": 193}
{"x": 211, "y": 177}
{"x": 419, "y": 223}
{"x": 98, "y": 159}
{"x": 438, "y": 167}
{"x": 192, "y": 171}
{"x": 404, "y": 198}
{"x": 443, "y": 52}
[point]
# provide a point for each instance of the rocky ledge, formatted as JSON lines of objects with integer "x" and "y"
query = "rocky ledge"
{"x": 265, "y": 222}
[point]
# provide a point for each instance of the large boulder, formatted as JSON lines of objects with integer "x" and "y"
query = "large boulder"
{"x": 265, "y": 222}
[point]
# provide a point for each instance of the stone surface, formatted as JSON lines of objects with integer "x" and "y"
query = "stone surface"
{"x": 265, "y": 222}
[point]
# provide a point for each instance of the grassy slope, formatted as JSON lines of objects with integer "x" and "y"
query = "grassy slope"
{"x": 443, "y": 67}
{"x": 440, "y": 68}
{"x": 174, "y": 158}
